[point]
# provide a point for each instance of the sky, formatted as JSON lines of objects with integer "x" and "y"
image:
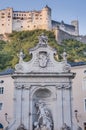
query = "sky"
{"x": 66, "y": 10}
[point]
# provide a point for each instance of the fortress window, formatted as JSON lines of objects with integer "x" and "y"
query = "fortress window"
{"x": 14, "y": 14}
{"x": 2, "y": 17}
{"x": 9, "y": 16}
{"x": 1, "y": 105}
{"x": 36, "y": 14}
{"x": 9, "y": 13}
{"x": 2, "y": 13}
{"x": 2, "y": 24}
{"x": 85, "y": 105}
{"x": 14, "y": 18}
{"x": 22, "y": 18}
{"x": 1, "y": 90}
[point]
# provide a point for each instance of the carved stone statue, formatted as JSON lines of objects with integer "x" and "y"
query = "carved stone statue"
{"x": 66, "y": 67}
{"x": 64, "y": 55}
{"x": 44, "y": 121}
{"x": 43, "y": 39}
{"x": 21, "y": 55}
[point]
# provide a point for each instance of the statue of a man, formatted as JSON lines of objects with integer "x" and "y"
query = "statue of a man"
{"x": 43, "y": 39}
{"x": 44, "y": 119}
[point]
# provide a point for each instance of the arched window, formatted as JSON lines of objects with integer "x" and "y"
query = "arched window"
{"x": 1, "y": 126}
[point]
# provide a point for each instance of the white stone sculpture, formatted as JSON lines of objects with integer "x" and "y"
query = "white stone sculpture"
{"x": 44, "y": 118}
{"x": 66, "y": 67}
{"x": 43, "y": 39}
{"x": 21, "y": 55}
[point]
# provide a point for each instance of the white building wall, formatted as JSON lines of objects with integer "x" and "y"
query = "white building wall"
{"x": 79, "y": 94}
{"x": 7, "y": 99}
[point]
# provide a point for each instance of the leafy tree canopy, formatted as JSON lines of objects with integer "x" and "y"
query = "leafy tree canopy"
{"x": 28, "y": 39}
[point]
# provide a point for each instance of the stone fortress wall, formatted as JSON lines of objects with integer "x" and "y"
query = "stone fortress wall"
{"x": 21, "y": 20}
{"x": 11, "y": 20}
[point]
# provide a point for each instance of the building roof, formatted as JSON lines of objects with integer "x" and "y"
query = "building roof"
{"x": 73, "y": 64}
{"x": 7, "y": 71}
{"x": 62, "y": 22}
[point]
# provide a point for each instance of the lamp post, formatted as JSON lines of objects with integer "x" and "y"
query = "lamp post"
{"x": 76, "y": 115}
{"x": 1, "y": 81}
{"x": 6, "y": 118}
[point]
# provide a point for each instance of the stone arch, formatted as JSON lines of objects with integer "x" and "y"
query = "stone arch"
{"x": 42, "y": 93}
{"x": 36, "y": 88}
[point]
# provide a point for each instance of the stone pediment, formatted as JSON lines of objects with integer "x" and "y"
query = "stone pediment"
{"x": 42, "y": 60}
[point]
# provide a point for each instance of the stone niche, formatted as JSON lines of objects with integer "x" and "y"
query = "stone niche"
{"x": 43, "y": 90}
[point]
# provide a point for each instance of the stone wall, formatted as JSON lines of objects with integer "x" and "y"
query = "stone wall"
{"x": 61, "y": 35}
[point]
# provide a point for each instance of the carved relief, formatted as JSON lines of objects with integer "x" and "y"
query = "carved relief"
{"x": 43, "y": 59}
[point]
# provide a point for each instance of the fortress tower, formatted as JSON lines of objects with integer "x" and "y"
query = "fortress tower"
{"x": 76, "y": 24}
{"x": 6, "y": 20}
{"x": 46, "y": 22}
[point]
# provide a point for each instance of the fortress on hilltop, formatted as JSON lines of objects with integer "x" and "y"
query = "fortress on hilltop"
{"x": 11, "y": 20}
